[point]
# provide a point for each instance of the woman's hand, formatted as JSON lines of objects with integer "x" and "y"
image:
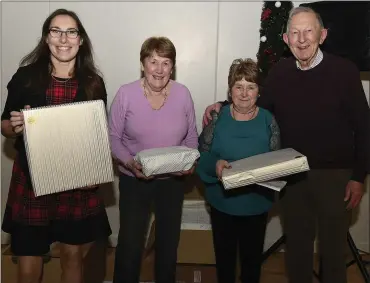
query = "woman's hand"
{"x": 17, "y": 121}
{"x": 136, "y": 168}
{"x": 220, "y": 166}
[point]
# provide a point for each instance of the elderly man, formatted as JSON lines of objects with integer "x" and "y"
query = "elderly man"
{"x": 320, "y": 106}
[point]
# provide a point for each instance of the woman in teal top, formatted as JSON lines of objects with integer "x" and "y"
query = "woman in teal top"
{"x": 238, "y": 216}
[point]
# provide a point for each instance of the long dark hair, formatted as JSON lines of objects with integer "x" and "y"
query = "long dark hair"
{"x": 85, "y": 71}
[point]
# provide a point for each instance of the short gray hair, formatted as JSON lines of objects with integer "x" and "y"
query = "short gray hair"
{"x": 298, "y": 10}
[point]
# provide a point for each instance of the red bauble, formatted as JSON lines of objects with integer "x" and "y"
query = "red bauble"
{"x": 266, "y": 13}
{"x": 268, "y": 51}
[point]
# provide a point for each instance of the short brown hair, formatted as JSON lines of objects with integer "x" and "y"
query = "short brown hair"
{"x": 161, "y": 45}
{"x": 242, "y": 68}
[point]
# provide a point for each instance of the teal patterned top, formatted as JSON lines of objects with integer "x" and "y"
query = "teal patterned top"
{"x": 228, "y": 139}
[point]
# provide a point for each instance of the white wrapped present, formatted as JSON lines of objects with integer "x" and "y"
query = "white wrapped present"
{"x": 67, "y": 146}
{"x": 264, "y": 167}
{"x": 156, "y": 161}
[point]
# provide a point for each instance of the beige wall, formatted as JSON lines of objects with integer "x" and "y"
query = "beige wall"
{"x": 208, "y": 36}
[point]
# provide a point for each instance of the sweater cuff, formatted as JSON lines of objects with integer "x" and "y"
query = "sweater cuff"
{"x": 207, "y": 165}
{"x": 359, "y": 176}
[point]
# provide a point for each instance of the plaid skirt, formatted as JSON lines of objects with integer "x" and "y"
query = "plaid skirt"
{"x": 23, "y": 207}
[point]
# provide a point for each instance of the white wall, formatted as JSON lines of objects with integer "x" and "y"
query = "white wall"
{"x": 17, "y": 39}
{"x": 208, "y": 36}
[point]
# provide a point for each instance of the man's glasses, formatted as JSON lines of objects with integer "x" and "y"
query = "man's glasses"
{"x": 72, "y": 33}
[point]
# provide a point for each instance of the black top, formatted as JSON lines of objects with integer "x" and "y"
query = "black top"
{"x": 21, "y": 93}
{"x": 322, "y": 113}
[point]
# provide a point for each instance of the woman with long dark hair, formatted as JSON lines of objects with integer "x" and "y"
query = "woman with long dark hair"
{"x": 59, "y": 70}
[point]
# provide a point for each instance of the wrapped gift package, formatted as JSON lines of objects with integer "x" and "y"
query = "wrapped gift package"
{"x": 156, "y": 161}
{"x": 67, "y": 146}
{"x": 264, "y": 167}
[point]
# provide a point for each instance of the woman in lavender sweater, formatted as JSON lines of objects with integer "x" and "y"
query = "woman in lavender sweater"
{"x": 152, "y": 112}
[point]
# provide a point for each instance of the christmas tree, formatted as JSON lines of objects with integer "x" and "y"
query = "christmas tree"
{"x": 274, "y": 18}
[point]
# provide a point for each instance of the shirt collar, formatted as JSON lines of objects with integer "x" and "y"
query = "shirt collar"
{"x": 318, "y": 58}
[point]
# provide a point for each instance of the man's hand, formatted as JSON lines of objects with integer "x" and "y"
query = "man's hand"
{"x": 354, "y": 193}
{"x": 207, "y": 114}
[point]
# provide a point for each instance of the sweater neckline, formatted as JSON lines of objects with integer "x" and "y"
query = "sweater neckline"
{"x": 314, "y": 69}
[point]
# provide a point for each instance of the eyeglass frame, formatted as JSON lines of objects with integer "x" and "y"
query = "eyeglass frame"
{"x": 60, "y": 33}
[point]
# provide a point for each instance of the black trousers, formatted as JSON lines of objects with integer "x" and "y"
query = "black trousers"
{"x": 317, "y": 200}
{"x": 136, "y": 198}
{"x": 231, "y": 234}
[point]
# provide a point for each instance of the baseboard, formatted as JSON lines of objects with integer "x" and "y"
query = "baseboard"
{"x": 5, "y": 238}
{"x": 362, "y": 247}
{"x": 113, "y": 239}
{"x": 268, "y": 244}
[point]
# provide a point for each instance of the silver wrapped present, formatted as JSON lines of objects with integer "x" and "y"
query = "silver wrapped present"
{"x": 264, "y": 167}
{"x": 156, "y": 161}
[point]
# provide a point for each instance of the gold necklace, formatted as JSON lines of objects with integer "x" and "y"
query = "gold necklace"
{"x": 251, "y": 111}
{"x": 59, "y": 79}
{"x": 165, "y": 94}
{"x": 62, "y": 81}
